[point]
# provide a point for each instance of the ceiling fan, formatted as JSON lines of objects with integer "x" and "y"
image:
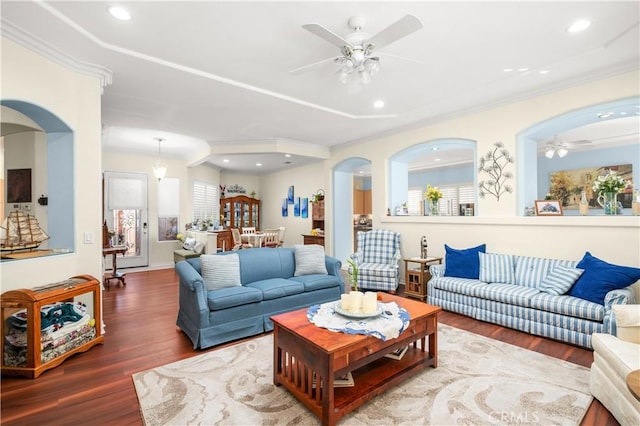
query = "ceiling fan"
{"x": 357, "y": 61}
{"x": 560, "y": 147}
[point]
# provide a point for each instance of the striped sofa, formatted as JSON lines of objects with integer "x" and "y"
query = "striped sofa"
{"x": 523, "y": 306}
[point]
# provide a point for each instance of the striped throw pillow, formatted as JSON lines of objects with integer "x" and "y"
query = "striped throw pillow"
{"x": 496, "y": 268}
{"x": 309, "y": 260}
{"x": 560, "y": 280}
{"x": 220, "y": 270}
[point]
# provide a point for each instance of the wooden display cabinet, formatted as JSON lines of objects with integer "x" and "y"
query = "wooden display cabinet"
{"x": 415, "y": 281}
{"x": 317, "y": 222}
{"x": 240, "y": 212}
{"x": 32, "y": 300}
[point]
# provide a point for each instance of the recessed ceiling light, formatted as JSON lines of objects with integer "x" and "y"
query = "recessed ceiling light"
{"x": 507, "y": 69}
{"x": 361, "y": 172}
{"x": 523, "y": 69}
{"x": 119, "y": 12}
{"x": 435, "y": 148}
{"x": 259, "y": 164}
{"x": 578, "y": 26}
{"x": 605, "y": 114}
{"x": 437, "y": 159}
{"x": 544, "y": 71}
{"x": 225, "y": 160}
{"x": 287, "y": 155}
{"x": 378, "y": 104}
{"x": 623, "y": 113}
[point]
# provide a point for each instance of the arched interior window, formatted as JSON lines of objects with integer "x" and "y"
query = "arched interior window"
{"x": 573, "y": 148}
{"x": 448, "y": 164}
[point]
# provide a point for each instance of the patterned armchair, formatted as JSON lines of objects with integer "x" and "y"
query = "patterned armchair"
{"x": 377, "y": 260}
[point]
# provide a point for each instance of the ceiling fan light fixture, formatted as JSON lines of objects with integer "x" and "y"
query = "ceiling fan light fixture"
{"x": 562, "y": 152}
{"x": 549, "y": 152}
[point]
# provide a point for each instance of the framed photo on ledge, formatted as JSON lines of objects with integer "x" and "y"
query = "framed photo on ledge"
{"x": 548, "y": 208}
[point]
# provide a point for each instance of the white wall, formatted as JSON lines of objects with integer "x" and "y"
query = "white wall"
{"x": 161, "y": 253}
{"x": 75, "y": 99}
{"x": 500, "y": 224}
{"x": 306, "y": 181}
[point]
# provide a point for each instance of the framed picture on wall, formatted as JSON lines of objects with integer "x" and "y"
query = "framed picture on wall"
{"x": 296, "y": 206}
{"x": 304, "y": 208}
{"x": 285, "y": 207}
{"x": 290, "y": 195}
{"x": 548, "y": 208}
{"x": 19, "y": 186}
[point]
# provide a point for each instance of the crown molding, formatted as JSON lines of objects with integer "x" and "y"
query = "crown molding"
{"x": 42, "y": 48}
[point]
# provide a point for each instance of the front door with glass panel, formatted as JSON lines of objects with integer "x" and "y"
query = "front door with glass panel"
{"x": 125, "y": 211}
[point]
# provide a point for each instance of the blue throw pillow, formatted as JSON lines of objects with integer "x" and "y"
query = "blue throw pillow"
{"x": 600, "y": 277}
{"x": 463, "y": 263}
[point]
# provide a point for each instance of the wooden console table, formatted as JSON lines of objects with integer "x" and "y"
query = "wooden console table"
{"x": 302, "y": 351}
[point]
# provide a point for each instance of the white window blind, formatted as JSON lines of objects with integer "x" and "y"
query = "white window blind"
{"x": 206, "y": 204}
{"x": 415, "y": 202}
{"x": 453, "y": 196}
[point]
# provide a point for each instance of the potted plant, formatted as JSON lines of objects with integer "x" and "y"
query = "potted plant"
{"x": 353, "y": 277}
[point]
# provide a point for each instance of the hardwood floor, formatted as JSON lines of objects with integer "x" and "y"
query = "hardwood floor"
{"x": 96, "y": 388}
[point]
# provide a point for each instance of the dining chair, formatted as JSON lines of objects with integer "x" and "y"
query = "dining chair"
{"x": 281, "y": 232}
{"x": 271, "y": 238}
{"x": 237, "y": 240}
{"x": 249, "y": 230}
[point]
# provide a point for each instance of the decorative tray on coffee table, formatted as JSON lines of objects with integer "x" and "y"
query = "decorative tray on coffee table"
{"x": 338, "y": 309}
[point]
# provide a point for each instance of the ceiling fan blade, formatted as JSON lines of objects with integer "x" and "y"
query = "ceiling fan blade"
{"x": 401, "y": 28}
{"x": 579, "y": 142}
{"x": 400, "y": 57}
{"x": 326, "y": 34}
{"x": 310, "y": 66}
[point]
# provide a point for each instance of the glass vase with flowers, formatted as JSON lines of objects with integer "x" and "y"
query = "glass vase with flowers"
{"x": 607, "y": 187}
{"x": 432, "y": 195}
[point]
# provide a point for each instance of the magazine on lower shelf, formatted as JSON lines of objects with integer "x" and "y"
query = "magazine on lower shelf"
{"x": 340, "y": 382}
{"x": 398, "y": 353}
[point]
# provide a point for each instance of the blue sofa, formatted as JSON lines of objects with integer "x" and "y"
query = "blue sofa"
{"x": 268, "y": 287}
{"x": 519, "y": 299}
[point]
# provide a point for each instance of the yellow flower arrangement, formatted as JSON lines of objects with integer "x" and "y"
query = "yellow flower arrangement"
{"x": 433, "y": 193}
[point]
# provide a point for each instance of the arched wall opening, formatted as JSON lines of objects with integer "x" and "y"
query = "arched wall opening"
{"x": 343, "y": 206}
{"x": 533, "y": 176}
{"x": 60, "y": 208}
{"x": 447, "y": 161}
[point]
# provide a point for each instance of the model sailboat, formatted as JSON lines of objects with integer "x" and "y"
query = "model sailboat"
{"x": 21, "y": 231}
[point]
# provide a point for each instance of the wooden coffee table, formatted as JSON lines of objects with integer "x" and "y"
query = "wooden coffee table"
{"x": 303, "y": 352}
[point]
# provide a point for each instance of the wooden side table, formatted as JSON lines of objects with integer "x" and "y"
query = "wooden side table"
{"x": 114, "y": 274}
{"x": 633, "y": 383}
{"x": 416, "y": 279}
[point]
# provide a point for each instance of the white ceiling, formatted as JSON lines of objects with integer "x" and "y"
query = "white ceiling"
{"x": 212, "y": 78}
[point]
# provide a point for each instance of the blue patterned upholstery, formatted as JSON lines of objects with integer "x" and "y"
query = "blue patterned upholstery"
{"x": 523, "y": 306}
{"x": 377, "y": 260}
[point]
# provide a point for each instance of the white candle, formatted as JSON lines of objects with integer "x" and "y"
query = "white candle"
{"x": 369, "y": 302}
{"x": 344, "y": 302}
{"x": 355, "y": 302}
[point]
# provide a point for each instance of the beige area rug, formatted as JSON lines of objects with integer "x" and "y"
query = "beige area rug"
{"x": 478, "y": 381}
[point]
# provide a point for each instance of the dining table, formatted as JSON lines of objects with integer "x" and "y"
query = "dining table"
{"x": 254, "y": 239}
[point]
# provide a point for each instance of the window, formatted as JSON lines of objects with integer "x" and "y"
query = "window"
{"x": 206, "y": 204}
{"x": 449, "y": 205}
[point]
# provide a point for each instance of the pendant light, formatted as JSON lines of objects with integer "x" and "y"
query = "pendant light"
{"x": 160, "y": 169}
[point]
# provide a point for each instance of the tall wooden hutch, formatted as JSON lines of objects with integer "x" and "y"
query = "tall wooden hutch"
{"x": 240, "y": 212}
